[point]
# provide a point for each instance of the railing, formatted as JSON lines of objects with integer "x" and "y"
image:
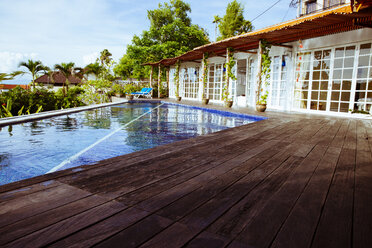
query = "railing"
{"x": 311, "y": 6}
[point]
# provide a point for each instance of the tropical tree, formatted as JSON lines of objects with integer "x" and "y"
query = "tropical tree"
{"x": 171, "y": 33}
{"x": 105, "y": 57}
{"x": 233, "y": 22}
{"x": 216, "y": 21}
{"x": 93, "y": 69}
{"x": 10, "y": 76}
{"x": 34, "y": 68}
{"x": 67, "y": 70}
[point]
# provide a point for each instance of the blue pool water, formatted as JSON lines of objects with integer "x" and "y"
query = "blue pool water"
{"x": 35, "y": 148}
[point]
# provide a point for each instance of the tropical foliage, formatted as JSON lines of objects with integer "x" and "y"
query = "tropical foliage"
{"x": 171, "y": 33}
{"x": 19, "y": 101}
{"x": 34, "y": 68}
{"x": 233, "y": 22}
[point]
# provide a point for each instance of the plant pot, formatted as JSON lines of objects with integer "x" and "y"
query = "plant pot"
{"x": 228, "y": 104}
{"x": 261, "y": 107}
{"x": 118, "y": 95}
{"x": 178, "y": 98}
{"x": 205, "y": 101}
{"x": 130, "y": 97}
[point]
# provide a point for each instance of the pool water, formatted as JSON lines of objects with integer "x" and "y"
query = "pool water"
{"x": 35, "y": 148}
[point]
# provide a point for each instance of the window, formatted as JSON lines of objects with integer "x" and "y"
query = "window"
{"x": 332, "y": 3}
{"x": 310, "y": 6}
{"x": 302, "y": 77}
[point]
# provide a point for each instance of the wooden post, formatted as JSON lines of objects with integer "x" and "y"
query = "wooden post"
{"x": 151, "y": 73}
{"x": 227, "y": 74}
{"x": 167, "y": 76}
{"x": 201, "y": 80}
{"x": 159, "y": 80}
{"x": 259, "y": 71}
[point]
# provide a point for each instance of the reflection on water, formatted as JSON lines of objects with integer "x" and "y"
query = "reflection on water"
{"x": 38, "y": 146}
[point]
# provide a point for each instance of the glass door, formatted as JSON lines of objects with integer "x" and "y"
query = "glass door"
{"x": 342, "y": 75}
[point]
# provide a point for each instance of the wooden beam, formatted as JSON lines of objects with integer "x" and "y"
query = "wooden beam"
{"x": 159, "y": 80}
{"x": 242, "y": 51}
{"x": 280, "y": 45}
{"x": 357, "y": 22}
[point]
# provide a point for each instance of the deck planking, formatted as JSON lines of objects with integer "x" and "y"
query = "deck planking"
{"x": 299, "y": 181}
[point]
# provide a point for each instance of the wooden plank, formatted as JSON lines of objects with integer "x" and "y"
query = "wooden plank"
{"x": 174, "y": 236}
{"x": 214, "y": 208}
{"x": 180, "y": 190}
{"x": 270, "y": 217}
{"x": 68, "y": 226}
{"x": 299, "y": 227}
{"x": 187, "y": 204}
{"x": 24, "y": 227}
{"x": 335, "y": 225}
{"x": 102, "y": 230}
{"x": 233, "y": 221}
{"x": 136, "y": 234}
{"x": 140, "y": 177}
{"x": 207, "y": 239}
{"x": 350, "y": 138}
{"x": 10, "y": 195}
{"x": 216, "y": 158}
{"x": 30, "y": 205}
{"x": 362, "y": 219}
{"x": 339, "y": 138}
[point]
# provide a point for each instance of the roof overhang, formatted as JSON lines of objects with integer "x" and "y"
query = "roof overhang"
{"x": 340, "y": 19}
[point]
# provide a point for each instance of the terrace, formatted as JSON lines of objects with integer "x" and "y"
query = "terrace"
{"x": 292, "y": 180}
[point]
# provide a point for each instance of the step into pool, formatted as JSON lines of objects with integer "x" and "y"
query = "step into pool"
{"x": 35, "y": 148}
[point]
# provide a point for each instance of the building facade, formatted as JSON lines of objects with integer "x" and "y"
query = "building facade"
{"x": 318, "y": 63}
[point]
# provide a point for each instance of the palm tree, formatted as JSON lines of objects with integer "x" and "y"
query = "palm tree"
{"x": 105, "y": 57}
{"x": 10, "y": 76}
{"x": 34, "y": 67}
{"x": 67, "y": 70}
{"x": 216, "y": 20}
{"x": 93, "y": 69}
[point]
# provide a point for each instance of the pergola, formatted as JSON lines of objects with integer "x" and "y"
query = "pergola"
{"x": 347, "y": 17}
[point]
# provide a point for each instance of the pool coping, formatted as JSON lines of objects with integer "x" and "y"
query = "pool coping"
{"x": 44, "y": 115}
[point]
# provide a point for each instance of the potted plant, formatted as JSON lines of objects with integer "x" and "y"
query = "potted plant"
{"x": 261, "y": 104}
{"x": 129, "y": 89}
{"x": 118, "y": 90}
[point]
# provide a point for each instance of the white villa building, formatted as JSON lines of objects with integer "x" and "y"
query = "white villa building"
{"x": 320, "y": 62}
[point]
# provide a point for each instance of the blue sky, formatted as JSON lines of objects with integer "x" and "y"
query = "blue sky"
{"x": 56, "y": 31}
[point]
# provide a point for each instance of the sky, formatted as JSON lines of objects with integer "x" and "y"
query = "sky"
{"x": 56, "y": 31}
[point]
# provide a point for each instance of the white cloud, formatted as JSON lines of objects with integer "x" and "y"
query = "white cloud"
{"x": 90, "y": 58}
{"x": 9, "y": 61}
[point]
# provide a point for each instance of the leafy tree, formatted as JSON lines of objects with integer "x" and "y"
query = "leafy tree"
{"x": 34, "y": 68}
{"x": 171, "y": 34}
{"x": 233, "y": 22}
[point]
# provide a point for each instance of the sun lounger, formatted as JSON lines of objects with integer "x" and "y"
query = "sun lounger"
{"x": 145, "y": 92}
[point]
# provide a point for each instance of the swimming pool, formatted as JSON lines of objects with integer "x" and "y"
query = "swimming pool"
{"x": 35, "y": 148}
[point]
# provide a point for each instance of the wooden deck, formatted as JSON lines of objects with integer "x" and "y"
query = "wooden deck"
{"x": 298, "y": 181}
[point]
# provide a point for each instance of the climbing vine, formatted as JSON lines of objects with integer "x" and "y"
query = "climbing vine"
{"x": 265, "y": 72}
{"x": 177, "y": 78}
{"x": 229, "y": 74}
{"x": 204, "y": 78}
